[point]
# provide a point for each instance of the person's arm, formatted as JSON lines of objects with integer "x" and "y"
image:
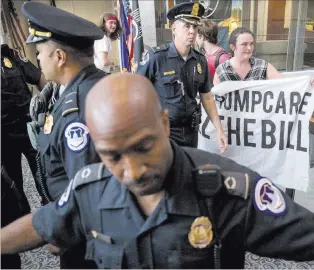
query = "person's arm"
{"x": 32, "y": 74}
{"x": 216, "y": 79}
{"x": 209, "y": 105}
{"x": 42, "y": 82}
{"x": 147, "y": 66}
{"x": 20, "y": 236}
{"x": 273, "y": 73}
{"x": 211, "y": 110}
{"x": 106, "y": 61}
{"x": 276, "y": 226}
{"x": 102, "y": 51}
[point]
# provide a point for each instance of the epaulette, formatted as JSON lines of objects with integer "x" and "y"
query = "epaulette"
{"x": 89, "y": 174}
{"x": 70, "y": 104}
{"x": 236, "y": 183}
{"x": 160, "y": 48}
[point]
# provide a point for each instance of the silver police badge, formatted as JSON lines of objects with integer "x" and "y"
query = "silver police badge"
{"x": 77, "y": 136}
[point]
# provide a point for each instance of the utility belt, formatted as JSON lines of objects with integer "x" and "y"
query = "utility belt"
{"x": 193, "y": 121}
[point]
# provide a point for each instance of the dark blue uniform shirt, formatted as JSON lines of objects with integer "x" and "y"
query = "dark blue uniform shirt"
{"x": 177, "y": 81}
{"x": 95, "y": 201}
{"x": 68, "y": 148}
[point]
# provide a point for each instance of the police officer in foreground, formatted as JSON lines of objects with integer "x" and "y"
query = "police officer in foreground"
{"x": 16, "y": 73}
{"x": 65, "y": 50}
{"x": 179, "y": 73}
{"x": 158, "y": 205}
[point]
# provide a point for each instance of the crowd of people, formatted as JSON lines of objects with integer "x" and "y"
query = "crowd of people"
{"x": 115, "y": 158}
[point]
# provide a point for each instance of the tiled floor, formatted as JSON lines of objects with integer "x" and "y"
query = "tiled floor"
{"x": 41, "y": 259}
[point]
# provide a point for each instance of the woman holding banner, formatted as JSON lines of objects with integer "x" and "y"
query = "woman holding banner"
{"x": 243, "y": 66}
{"x": 110, "y": 24}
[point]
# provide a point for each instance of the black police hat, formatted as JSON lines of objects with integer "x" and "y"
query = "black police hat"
{"x": 187, "y": 12}
{"x": 50, "y": 23}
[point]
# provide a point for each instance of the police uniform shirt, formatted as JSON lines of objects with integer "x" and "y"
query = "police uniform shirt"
{"x": 16, "y": 72}
{"x": 65, "y": 144}
{"x": 97, "y": 208}
{"x": 177, "y": 81}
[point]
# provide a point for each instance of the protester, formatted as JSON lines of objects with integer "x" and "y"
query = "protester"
{"x": 111, "y": 27}
{"x": 243, "y": 66}
{"x": 207, "y": 40}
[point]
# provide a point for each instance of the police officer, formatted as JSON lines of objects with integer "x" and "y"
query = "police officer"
{"x": 16, "y": 72}
{"x": 65, "y": 50}
{"x": 155, "y": 206}
{"x": 179, "y": 73}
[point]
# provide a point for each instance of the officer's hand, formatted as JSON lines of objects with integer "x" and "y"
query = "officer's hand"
{"x": 222, "y": 141}
{"x": 54, "y": 250}
{"x": 312, "y": 82}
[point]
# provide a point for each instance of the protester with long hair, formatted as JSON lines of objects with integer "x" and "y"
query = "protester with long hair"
{"x": 110, "y": 24}
{"x": 243, "y": 66}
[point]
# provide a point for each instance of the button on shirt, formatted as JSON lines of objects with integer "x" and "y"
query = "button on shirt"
{"x": 176, "y": 80}
{"x": 128, "y": 240}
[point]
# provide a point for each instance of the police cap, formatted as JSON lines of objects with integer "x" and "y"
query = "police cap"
{"x": 50, "y": 23}
{"x": 187, "y": 12}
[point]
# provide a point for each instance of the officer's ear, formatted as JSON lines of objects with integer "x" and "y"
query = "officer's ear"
{"x": 165, "y": 121}
{"x": 61, "y": 57}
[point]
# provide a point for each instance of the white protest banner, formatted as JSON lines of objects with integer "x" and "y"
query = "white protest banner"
{"x": 266, "y": 124}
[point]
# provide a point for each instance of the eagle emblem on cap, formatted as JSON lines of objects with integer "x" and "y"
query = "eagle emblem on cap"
{"x": 7, "y": 62}
{"x": 201, "y": 233}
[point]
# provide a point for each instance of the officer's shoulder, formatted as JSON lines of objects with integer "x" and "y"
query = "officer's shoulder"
{"x": 212, "y": 176}
{"x": 19, "y": 57}
{"x": 90, "y": 174}
{"x": 161, "y": 48}
{"x": 198, "y": 52}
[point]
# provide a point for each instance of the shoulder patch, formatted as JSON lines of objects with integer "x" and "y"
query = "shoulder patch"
{"x": 145, "y": 58}
{"x": 268, "y": 198}
{"x": 77, "y": 136}
{"x": 70, "y": 104}
{"x": 236, "y": 183}
{"x": 162, "y": 47}
{"x": 89, "y": 174}
{"x": 24, "y": 59}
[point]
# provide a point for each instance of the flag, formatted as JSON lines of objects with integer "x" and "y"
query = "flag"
{"x": 124, "y": 51}
{"x": 137, "y": 34}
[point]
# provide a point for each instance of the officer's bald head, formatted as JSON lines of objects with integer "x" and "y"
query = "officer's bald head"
{"x": 130, "y": 130}
{"x": 119, "y": 101}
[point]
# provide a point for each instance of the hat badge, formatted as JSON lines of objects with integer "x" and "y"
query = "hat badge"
{"x": 195, "y": 9}
{"x": 199, "y": 68}
{"x": 7, "y": 62}
{"x": 201, "y": 233}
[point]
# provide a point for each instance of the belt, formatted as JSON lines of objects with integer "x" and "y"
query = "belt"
{"x": 180, "y": 122}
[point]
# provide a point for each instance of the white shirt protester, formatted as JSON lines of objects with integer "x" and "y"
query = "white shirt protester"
{"x": 100, "y": 46}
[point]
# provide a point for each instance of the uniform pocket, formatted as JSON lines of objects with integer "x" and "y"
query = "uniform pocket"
{"x": 172, "y": 87}
{"x": 191, "y": 258}
{"x": 105, "y": 255}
